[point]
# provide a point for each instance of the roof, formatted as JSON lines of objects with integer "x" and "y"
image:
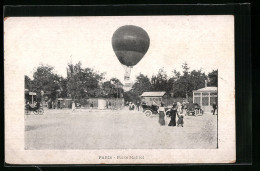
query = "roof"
{"x": 206, "y": 89}
{"x": 153, "y": 94}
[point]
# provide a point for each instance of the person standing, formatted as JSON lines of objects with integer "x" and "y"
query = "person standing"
{"x": 107, "y": 104}
{"x": 73, "y": 107}
{"x": 91, "y": 105}
{"x": 214, "y": 105}
{"x": 173, "y": 115}
{"x": 138, "y": 105}
{"x": 162, "y": 115}
{"x": 180, "y": 121}
{"x": 179, "y": 108}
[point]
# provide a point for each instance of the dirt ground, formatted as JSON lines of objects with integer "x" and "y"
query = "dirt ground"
{"x": 85, "y": 129}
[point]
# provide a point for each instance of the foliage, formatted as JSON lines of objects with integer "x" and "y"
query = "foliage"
{"x": 82, "y": 83}
{"x": 112, "y": 88}
{"x": 159, "y": 82}
{"x": 44, "y": 79}
{"x": 141, "y": 85}
{"x": 27, "y": 82}
{"x": 213, "y": 78}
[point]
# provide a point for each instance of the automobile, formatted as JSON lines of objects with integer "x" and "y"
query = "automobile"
{"x": 193, "y": 108}
{"x": 150, "y": 110}
{"x": 78, "y": 105}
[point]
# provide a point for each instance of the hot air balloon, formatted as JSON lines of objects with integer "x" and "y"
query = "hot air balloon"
{"x": 130, "y": 43}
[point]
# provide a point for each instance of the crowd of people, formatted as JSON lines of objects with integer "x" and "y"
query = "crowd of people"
{"x": 174, "y": 111}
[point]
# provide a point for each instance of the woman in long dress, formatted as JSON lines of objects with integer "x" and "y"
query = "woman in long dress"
{"x": 173, "y": 115}
{"x": 161, "y": 112}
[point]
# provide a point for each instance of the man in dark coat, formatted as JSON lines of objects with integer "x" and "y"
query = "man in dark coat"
{"x": 214, "y": 105}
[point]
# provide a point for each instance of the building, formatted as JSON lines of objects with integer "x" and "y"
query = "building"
{"x": 205, "y": 97}
{"x": 149, "y": 97}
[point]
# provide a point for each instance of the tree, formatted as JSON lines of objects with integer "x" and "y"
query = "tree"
{"x": 82, "y": 82}
{"x": 159, "y": 82}
{"x": 213, "y": 78}
{"x": 27, "y": 82}
{"x": 112, "y": 88}
{"x": 189, "y": 81}
{"x": 141, "y": 84}
{"x": 45, "y": 80}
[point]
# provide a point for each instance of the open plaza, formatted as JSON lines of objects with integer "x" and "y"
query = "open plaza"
{"x": 116, "y": 129}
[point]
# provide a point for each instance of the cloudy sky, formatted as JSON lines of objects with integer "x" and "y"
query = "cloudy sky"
{"x": 201, "y": 41}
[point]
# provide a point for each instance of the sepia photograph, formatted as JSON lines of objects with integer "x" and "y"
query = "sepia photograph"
{"x": 131, "y": 84}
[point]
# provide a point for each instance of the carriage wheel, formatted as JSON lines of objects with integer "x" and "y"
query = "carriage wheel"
{"x": 35, "y": 112}
{"x": 40, "y": 111}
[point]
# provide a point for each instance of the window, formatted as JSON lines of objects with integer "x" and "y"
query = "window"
{"x": 197, "y": 100}
{"x": 205, "y": 94}
{"x": 205, "y": 101}
{"x": 213, "y": 94}
{"x": 196, "y": 94}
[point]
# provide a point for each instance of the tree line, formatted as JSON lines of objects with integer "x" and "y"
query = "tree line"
{"x": 84, "y": 83}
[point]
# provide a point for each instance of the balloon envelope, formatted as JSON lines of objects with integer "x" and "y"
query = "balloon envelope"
{"x": 130, "y": 44}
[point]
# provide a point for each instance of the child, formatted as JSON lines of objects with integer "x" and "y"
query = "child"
{"x": 180, "y": 120}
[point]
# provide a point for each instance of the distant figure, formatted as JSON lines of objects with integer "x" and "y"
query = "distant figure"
{"x": 162, "y": 115}
{"x": 109, "y": 104}
{"x": 185, "y": 106}
{"x": 179, "y": 108}
{"x": 180, "y": 121}
{"x": 58, "y": 105}
{"x": 214, "y": 105}
{"x": 138, "y": 105}
{"x": 91, "y": 105}
{"x": 173, "y": 112}
{"x": 73, "y": 107}
{"x": 130, "y": 105}
{"x": 197, "y": 109}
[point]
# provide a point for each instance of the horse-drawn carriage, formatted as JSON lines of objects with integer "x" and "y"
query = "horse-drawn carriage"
{"x": 35, "y": 109}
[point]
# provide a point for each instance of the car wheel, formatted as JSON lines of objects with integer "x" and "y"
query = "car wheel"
{"x": 148, "y": 113}
{"x": 40, "y": 111}
{"x": 168, "y": 113}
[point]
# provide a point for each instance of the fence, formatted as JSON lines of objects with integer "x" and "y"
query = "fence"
{"x": 102, "y": 103}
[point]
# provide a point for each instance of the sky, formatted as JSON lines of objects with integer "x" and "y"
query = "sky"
{"x": 201, "y": 41}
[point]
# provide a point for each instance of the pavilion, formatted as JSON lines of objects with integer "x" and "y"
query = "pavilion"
{"x": 205, "y": 97}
